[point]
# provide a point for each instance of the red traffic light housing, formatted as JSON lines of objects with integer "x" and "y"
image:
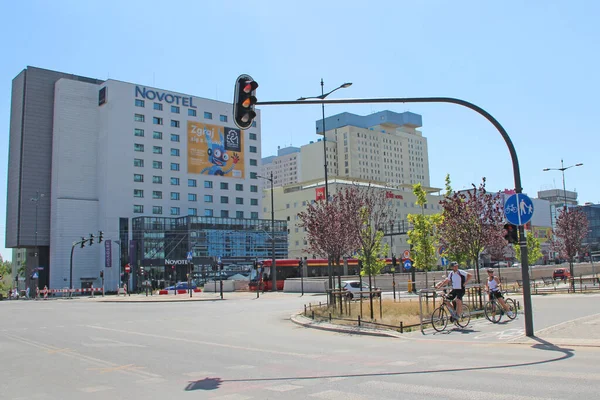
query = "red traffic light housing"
{"x": 512, "y": 233}
{"x": 244, "y": 101}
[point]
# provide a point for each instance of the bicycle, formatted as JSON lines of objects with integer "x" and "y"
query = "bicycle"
{"x": 441, "y": 315}
{"x": 493, "y": 309}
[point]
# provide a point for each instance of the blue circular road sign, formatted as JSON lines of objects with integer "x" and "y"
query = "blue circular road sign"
{"x": 407, "y": 265}
{"x": 518, "y": 209}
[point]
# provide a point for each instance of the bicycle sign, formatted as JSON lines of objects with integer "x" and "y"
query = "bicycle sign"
{"x": 518, "y": 209}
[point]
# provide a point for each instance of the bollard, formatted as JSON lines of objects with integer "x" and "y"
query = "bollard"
{"x": 401, "y": 327}
{"x": 305, "y": 310}
{"x": 329, "y": 317}
{"x": 313, "y": 314}
{"x": 359, "y": 320}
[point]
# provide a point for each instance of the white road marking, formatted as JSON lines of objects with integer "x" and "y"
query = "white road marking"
{"x": 283, "y": 388}
{"x": 94, "y": 389}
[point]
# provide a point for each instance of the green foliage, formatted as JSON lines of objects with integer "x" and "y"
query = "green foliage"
{"x": 372, "y": 253}
{"x": 534, "y": 249}
{"x": 5, "y": 271}
{"x": 423, "y": 236}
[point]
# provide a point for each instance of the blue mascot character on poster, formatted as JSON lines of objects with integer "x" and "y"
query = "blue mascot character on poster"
{"x": 218, "y": 157}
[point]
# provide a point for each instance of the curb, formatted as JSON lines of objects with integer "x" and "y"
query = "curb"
{"x": 157, "y": 301}
{"x": 301, "y": 320}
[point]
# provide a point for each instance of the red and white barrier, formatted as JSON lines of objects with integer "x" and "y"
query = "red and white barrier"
{"x": 179, "y": 291}
{"x": 61, "y": 291}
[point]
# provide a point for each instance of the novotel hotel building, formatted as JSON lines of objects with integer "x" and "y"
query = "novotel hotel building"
{"x": 160, "y": 173}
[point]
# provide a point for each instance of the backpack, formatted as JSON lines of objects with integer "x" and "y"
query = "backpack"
{"x": 462, "y": 279}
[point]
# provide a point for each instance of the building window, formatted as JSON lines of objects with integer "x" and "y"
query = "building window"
{"x": 156, "y": 194}
{"x": 208, "y": 212}
{"x": 174, "y": 195}
{"x": 174, "y": 210}
{"x": 252, "y": 149}
{"x": 253, "y": 202}
{"x": 224, "y": 214}
{"x": 175, "y": 109}
{"x": 157, "y": 179}
{"x": 192, "y": 211}
{"x": 157, "y": 149}
{"x": 138, "y": 209}
{"x": 239, "y": 200}
{"x": 139, "y": 103}
{"x": 138, "y": 193}
{"x": 208, "y": 184}
{"x": 157, "y": 164}
{"x": 253, "y": 162}
{"x": 138, "y": 162}
{"x": 158, "y": 106}
{"x": 239, "y": 187}
{"x": 223, "y": 118}
{"x": 191, "y": 183}
{"x": 253, "y": 175}
{"x": 138, "y": 147}
{"x": 254, "y": 215}
{"x": 252, "y": 136}
{"x": 207, "y": 115}
{"x": 208, "y": 198}
{"x": 138, "y": 178}
{"x": 254, "y": 188}
{"x": 191, "y": 112}
{"x": 192, "y": 197}
{"x": 174, "y": 137}
{"x": 157, "y": 120}
{"x": 175, "y": 152}
{"x": 157, "y": 135}
{"x": 239, "y": 214}
{"x": 175, "y": 181}
{"x": 139, "y": 118}
{"x": 174, "y": 123}
{"x": 174, "y": 166}
{"x": 224, "y": 200}
{"x": 156, "y": 210}
{"x": 138, "y": 132}
{"x": 224, "y": 186}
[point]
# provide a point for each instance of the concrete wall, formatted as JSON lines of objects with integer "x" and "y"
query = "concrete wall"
{"x": 310, "y": 285}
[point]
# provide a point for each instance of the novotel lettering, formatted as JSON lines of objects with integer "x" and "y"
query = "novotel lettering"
{"x": 176, "y": 262}
{"x": 161, "y": 96}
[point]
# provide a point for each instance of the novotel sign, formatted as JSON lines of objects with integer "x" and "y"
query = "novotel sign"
{"x": 162, "y": 96}
{"x": 176, "y": 262}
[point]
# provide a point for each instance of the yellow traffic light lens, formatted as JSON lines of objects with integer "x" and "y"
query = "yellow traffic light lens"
{"x": 246, "y": 103}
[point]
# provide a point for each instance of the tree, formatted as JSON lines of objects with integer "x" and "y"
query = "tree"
{"x": 376, "y": 212}
{"x": 330, "y": 226}
{"x": 534, "y": 249}
{"x": 571, "y": 231}
{"x": 5, "y": 274}
{"x": 423, "y": 234}
{"x": 471, "y": 222}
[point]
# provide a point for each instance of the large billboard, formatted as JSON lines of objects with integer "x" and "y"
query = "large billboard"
{"x": 215, "y": 150}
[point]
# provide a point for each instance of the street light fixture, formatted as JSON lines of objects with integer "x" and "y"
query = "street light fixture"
{"x": 563, "y": 169}
{"x": 321, "y": 97}
{"x": 273, "y": 266}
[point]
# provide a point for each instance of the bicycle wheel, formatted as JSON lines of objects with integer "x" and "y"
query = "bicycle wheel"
{"x": 464, "y": 317}
{"x": 512, "y": 308}
{"x": 439, "y": 318}
{"x": 492, "y": 312}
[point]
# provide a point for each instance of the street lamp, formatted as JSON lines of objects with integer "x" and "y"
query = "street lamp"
{"x": 563, "y": 169}
{"x": 321, "y": 97}
{"x": 273, "y": 266}
{"x": 36, "y": 199}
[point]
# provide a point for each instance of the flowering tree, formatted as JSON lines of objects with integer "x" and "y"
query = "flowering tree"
{"x": 424, "y": 232}
{"x": 571, "y": 231}
{"x": 471, "y": 222}
{"x": 330, "y": 226}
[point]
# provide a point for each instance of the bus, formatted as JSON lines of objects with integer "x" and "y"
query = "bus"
{"x": 289, "y": 268}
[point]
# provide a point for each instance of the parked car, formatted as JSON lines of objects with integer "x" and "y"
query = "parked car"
{"x": 353, "y": 288}
{"x": 561, "y": 273}
{"x": 181, "y": 286}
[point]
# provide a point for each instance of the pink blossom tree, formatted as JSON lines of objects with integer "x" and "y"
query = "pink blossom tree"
{"x": 571, "y": 230}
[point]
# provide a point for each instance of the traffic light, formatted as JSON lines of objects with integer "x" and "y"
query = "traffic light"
{"x": 92, "y": 239}
{"x": 244, "y": 101}
{"x": 512, "y": 233}
{"x": 300, "y": 263}
{"x": 83, "y": 242}
{"x": 360, "y": 264}
{"x": 394, "y": 261}
{"x": 100, "y": 236}
{"x": 101, "y": 274}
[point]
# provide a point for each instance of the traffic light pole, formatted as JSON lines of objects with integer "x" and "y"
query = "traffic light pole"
{"x": 507, "y": 140}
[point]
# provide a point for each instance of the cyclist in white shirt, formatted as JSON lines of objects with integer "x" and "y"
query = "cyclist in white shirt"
{"x": 458, "y": 279}
{"x": 492, "y": 286}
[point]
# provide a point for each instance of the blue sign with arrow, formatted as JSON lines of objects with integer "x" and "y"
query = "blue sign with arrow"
{"x": 518, "y": 209}
{"x": 407, "y": 265}
{"x": 189, "y": 256}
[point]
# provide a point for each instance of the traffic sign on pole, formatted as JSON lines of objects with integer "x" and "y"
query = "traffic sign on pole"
{"x": 407, "y": 265}
{"x": 127, "y": 268}
{"x": 441, "y": 250}
{"x": 518, "y": 209}
{"x": 189, "y": 256}
{"x": 406, "y": 255}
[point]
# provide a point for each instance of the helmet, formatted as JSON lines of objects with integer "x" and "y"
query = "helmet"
{"x": 453, "y": 263}
{"x": 490, "y": 270}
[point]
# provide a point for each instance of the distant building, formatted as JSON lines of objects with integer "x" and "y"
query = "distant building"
{"x": 592, "y": 212}
{"x": 558, "y": 199}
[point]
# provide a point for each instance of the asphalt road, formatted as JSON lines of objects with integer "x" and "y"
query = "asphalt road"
{"x": 243, "y": 348}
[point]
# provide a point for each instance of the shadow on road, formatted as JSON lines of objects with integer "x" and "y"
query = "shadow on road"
{"x": 204, "y": 384}
{"x": 542, "y": 345}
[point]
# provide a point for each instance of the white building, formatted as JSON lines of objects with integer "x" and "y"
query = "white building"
{"x": 105, "y": 152}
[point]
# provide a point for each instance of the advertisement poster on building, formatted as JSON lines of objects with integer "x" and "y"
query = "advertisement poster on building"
{"x": 215, "y": 150}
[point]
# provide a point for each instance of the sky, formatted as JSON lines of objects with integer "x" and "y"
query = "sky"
{"x": 532, "y": 65}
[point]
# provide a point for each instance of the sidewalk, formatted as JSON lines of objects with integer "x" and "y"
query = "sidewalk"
{"x": 584, "y": 331}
